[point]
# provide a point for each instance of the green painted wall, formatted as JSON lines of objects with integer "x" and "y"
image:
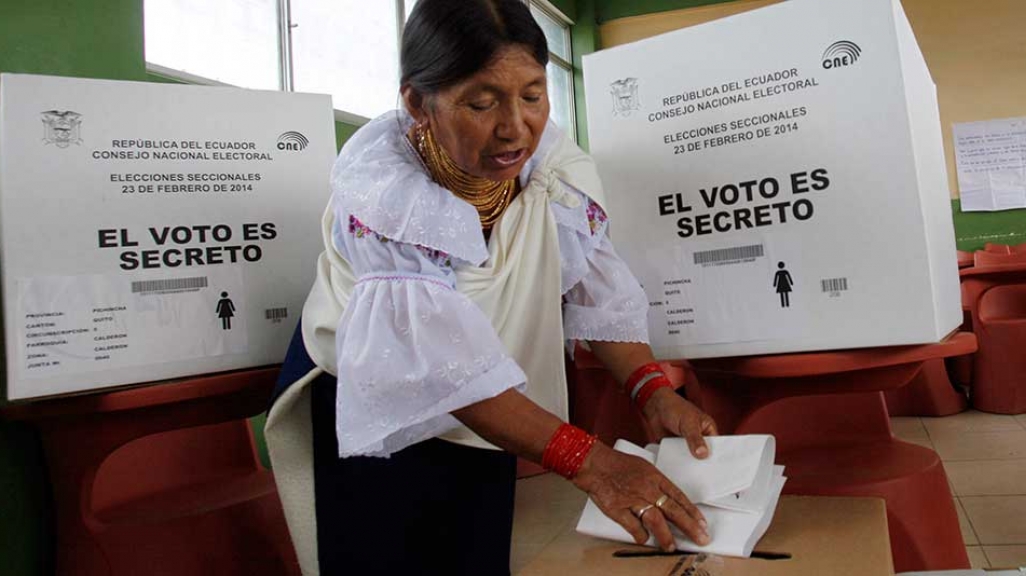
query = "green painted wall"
{"x": 342, "y": 133}
{"x": 96, "y": 39}
{"x": 974, "y": 229}
{"x": 583, "y": 40}
{"x": 567, "y": 7}
{"x": 612, "y": 9}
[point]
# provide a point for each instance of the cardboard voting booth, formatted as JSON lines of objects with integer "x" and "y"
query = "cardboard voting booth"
{"x": 151, "y": 231}
{"x": 776, "y": 180}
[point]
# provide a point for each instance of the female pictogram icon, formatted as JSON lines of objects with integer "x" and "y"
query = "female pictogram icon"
{"x": 782, "y": 282}
{"x": 225, "y": 311}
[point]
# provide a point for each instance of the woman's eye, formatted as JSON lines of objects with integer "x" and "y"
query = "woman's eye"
{"x": 481, "y": 106}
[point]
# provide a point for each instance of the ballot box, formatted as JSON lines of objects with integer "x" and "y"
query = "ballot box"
{"x": 809, "y": 536}
{"x": 151, "y": 231}
{"x": 776, "y": 180}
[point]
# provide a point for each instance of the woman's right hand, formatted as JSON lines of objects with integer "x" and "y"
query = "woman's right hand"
{"x": 622, "y": 485}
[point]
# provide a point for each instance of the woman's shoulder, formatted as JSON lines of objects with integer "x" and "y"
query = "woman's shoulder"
{"x": 559, "y": 157}
{"x": 379, "y": 179}
{"x": 579, "y": 205}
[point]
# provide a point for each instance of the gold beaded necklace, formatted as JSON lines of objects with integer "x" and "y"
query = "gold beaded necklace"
{"x": 489, "y": 197}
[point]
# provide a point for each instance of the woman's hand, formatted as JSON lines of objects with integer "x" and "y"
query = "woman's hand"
{"x": 623, "y": 485}
{"x": 667, "y": 414}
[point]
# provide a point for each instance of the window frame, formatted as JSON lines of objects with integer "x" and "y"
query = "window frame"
{"x": 285, "y": 54}
{"x": 551, "y": 11}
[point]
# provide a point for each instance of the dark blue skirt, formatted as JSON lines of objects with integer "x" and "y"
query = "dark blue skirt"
{"x": 432, "y": 508}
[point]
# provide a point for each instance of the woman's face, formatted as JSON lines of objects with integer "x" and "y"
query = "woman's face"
{"x": 490, "y": 123}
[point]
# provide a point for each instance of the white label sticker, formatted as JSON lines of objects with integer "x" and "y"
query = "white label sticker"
{"x": 97, "y": 322}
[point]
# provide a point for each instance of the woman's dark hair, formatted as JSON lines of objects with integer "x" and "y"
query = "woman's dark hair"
{"x": 446, "y": 41}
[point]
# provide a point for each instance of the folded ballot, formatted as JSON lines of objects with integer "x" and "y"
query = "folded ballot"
{"x": 736, "y": 488}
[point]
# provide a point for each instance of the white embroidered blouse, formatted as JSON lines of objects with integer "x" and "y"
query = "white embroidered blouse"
{"x": 413, "y": 346}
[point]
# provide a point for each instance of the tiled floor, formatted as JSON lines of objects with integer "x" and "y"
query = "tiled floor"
{"x": 985, "y": 458}
{"x": 983, "y": 454}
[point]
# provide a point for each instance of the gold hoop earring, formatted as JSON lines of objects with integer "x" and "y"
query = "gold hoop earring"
{"x": 422, "y": 129}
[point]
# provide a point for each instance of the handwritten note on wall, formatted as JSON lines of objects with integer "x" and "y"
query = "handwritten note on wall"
{"x": 990, "y": 157}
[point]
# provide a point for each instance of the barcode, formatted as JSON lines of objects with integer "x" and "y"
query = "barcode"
{"x": 169, "y": 285}
{"x": 834, "y": 284}
{"x": 276, "y": 313}
{"x": 729, "y": 254}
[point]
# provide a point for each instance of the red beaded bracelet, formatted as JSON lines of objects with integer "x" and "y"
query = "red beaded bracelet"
{"x": 649, "y": 388}
{"x": 566, "y": 450}
{"x": 641, "y": 375}
{"x": 643, "y": 383}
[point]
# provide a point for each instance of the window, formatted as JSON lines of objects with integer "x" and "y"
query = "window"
{"x": 349, "y": 49}
{"x": 226, "y": 41}
{"x": 346, "y": 48}
{"x": 409, "y": 7}
{"x": 560, "y": 68}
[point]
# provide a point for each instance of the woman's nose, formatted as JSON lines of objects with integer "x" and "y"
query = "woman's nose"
{"x": 512, "y": 125}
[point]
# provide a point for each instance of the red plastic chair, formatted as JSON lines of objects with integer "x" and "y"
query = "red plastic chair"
{"x": 996, "y": 297}
{"x": 163, "y": 480}
{"x": 833, "y": 435}
{"x": 1000, "y": 379}
{"x": 996, "y": 258}
{"x": 965, "y": 259}
{"x": 930, "y": 393}
{"x": 993, "y": 248}
{"x": 961, "y": 367}
{"x": 1004, "y": 248}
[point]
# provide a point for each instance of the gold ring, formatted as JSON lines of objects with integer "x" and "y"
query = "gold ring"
{"x": 644, "y": 509}
{"x": 662, "y": 500}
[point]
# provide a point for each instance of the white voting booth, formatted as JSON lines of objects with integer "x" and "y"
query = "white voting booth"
{"x": 151, "y": 231}
{"x": 776, "y": 180}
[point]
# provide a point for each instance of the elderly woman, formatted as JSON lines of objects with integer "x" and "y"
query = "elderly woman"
{"x": 465, "y": 243}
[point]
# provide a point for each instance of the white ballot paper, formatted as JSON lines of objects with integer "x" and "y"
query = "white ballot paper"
{"x": 736, "y": 488}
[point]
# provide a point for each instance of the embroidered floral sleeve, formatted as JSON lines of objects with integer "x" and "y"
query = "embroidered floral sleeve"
{"x": 437, "y": 256}
{"x": 602, "y": 299}
{"x": 410, "y": 347}
{"x": 360, "y": 230}
{"x": 596, "y": 217}
{"x": 607, "y": 304}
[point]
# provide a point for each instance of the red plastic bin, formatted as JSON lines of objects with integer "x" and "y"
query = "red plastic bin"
{"x": 163, "y": 480}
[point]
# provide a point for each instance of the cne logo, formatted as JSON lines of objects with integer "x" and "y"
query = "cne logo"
{"x": 292, "y": 141}
{"x": 840, "y": 54}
